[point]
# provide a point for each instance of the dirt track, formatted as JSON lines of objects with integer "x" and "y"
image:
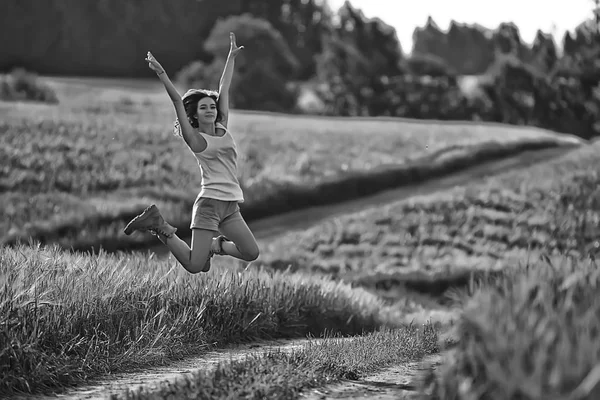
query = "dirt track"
{"x": 297, "y": 220}
{"x": 394, "y": 383}
{"x": 114, "y": 384}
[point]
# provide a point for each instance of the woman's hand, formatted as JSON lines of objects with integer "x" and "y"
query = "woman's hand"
{"x": 154, "y": 64}
{"x": 233, "y": 49}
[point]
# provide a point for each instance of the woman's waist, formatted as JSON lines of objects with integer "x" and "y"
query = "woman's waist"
{"x": 227, "y": 192}
{"x": 220, "y": 181}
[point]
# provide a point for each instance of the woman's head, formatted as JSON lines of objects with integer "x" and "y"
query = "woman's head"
{"x": 201, "y": 107}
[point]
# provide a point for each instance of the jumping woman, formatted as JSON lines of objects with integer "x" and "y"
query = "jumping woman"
{"x": 202, "y": 117}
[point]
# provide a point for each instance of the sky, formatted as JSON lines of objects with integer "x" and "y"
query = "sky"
{"x": 552, "y": 16}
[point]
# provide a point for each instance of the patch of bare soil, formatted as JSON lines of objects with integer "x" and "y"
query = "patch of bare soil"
{"x": 398, "y": 382}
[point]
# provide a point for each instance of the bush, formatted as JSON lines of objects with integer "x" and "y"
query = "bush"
{"x": 198, "y": 74}
{"x": 261, "y": 73}
{"x": 21, "y": 85}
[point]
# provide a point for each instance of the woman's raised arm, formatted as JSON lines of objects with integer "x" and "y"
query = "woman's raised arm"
{"x": 195, "y": 142}
{"x": 226, "y": 77}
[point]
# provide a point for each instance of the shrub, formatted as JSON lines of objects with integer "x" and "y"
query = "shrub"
{"x": 21, "y": 85}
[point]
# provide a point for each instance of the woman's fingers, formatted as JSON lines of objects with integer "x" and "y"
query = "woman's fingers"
{"x": 151, "y": 60}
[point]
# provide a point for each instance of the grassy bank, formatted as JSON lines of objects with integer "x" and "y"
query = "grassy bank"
{"x": 75, "y": 172}
{"x": 280, "y": 375}
{"x": 68, "y": 318}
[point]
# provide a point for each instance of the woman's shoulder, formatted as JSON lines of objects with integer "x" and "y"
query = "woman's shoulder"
{"x": 220, "y": 125}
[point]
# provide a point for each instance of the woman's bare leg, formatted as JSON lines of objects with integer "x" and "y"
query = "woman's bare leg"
{"x": 194, "y": 260}
{"x": 241, "y": 243}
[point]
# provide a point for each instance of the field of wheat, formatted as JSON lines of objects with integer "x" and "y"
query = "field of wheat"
{"x": 107, "y": 149}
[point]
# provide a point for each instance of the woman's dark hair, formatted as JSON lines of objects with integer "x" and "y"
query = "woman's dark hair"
{"x": 190, "y": 103}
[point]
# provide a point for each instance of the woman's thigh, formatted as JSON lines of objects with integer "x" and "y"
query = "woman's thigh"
{"x": 236, "y": 230}
{"x": 201, "y": 242}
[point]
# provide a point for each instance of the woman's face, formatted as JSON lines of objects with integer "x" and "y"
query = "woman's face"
{"x": 207, "y": 111}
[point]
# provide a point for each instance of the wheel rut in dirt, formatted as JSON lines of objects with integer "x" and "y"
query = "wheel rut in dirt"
{"x": 396, "y": 382}
{"x": 115, "y": 384}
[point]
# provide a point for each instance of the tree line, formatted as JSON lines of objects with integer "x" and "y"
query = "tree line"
{"x": 354, "y": 64}
{"x": 110, "y": 37}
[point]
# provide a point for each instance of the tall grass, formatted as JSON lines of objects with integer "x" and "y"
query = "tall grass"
{"x": 531, "y": 334}
{"x": 65, "y": 317}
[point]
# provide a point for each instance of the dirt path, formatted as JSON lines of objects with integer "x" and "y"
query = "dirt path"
{"x": 394, "y": 383}
{"x": 303, "y": 219}
{"x": 117, "y": 383}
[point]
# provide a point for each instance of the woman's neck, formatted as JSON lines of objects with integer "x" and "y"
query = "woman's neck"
{"x": 207, "y": 128}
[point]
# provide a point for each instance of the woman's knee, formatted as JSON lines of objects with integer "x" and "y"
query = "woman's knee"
{"x": 197, "y": 263}
{"x": 251, "y": 253}
{"x": 200, "y": 251}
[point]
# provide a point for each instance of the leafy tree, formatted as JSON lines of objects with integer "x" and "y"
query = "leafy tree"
{"x": 429, "y": 65}
{"x": 544, "y": 53}
{"x": 358, "y": 61}
{"x": 302, "y": 23}
{"x": 262, "y": 69}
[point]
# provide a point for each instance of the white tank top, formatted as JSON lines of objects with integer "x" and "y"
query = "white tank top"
{"x": 218, "y": 165}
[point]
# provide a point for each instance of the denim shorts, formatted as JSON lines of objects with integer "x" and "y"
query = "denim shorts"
{"x": 211, "y": 214}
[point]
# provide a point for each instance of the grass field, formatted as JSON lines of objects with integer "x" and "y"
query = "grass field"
{"x": 67, "y": 317}
{"x": 75, "y": 171}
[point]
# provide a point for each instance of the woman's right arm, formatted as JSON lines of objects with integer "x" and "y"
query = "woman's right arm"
{"x": 195, "y": 142}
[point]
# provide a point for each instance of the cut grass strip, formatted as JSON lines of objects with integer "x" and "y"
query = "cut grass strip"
{"x": 280, "y": 375}
{"x": 65, "y": 318}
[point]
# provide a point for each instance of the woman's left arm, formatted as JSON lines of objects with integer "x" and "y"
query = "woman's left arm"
{"x": 225, "y": 82}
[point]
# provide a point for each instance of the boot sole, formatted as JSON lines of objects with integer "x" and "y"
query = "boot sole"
{"x": 130, "y": 228}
